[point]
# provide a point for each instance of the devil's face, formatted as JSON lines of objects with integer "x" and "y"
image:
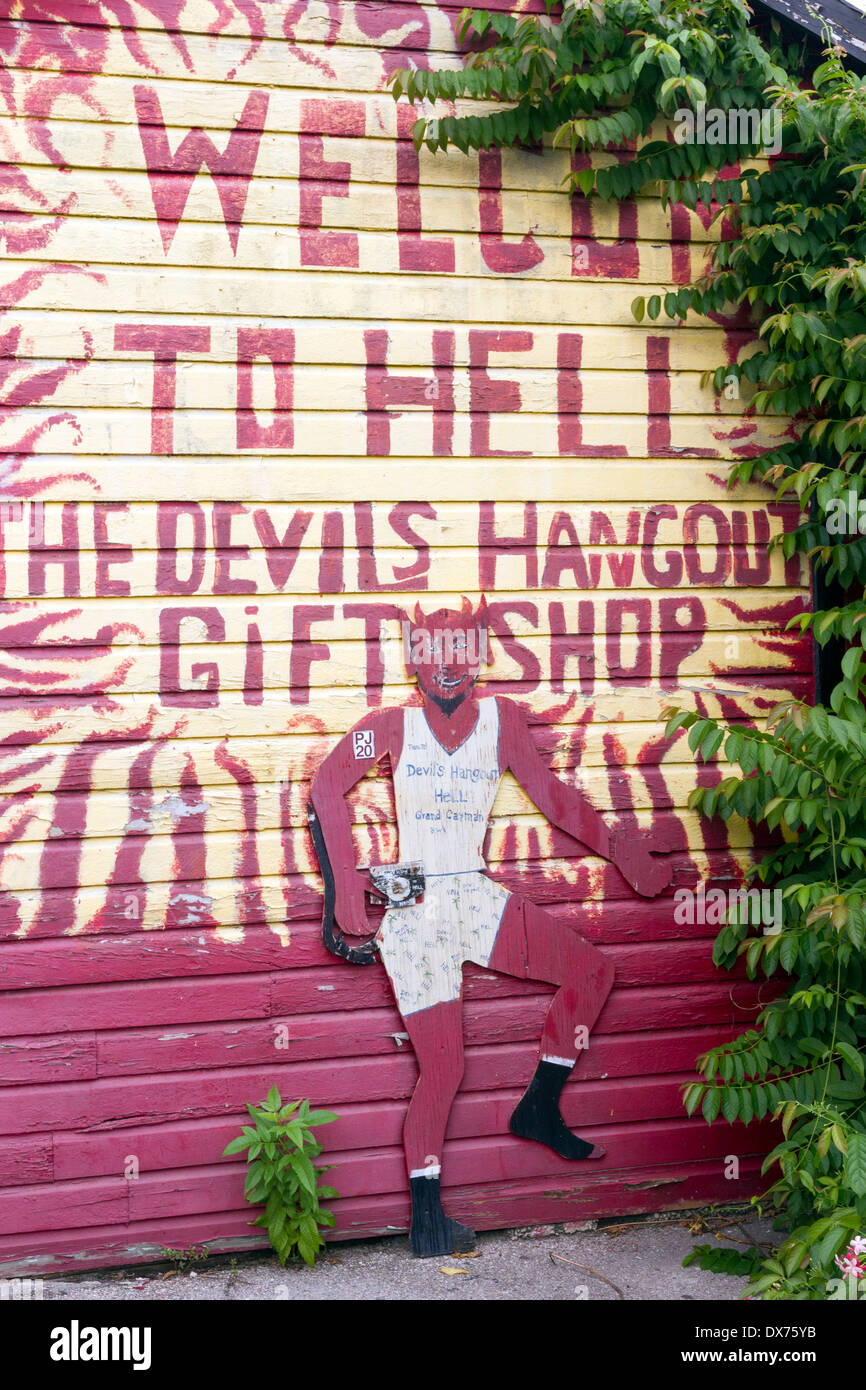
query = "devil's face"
{"x": 446, "y": 652}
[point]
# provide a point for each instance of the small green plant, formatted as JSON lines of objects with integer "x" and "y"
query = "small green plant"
{"x": 281, "y": 1149}
{"x": 721, "y": 1259}
{"x": 181, "y": 1259}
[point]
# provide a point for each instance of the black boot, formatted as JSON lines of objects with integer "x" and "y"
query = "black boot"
{"x": 537, "y": 1115}
{"x": 432, "y": 1232}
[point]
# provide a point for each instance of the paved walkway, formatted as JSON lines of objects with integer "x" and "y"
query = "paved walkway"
{"x": 641, "y": 1260}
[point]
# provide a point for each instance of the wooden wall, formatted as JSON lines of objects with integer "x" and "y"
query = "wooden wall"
{"x": 268, "y": 379}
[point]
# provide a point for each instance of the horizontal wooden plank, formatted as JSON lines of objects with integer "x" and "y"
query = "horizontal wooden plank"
{"x": 373, "y": 189}
{"x": 319, "y": 433}
{"x": 64, "y": 575}
{"x": 282, "y": 903}
{"x": 124, "y": 718}
{"x": 34, "y": 1061}
{"x": 188, "y": 1144}
{"x": 206, "y": 246}
{"x": 325, "y": 293}
{"x": 56, "y": 334}
{"x": 183, "y": 1001}
{"x": 171, "y": 669}
{"x": 215, "y": 58}
{"x": 94, "y": 942}
{"x": 549, "y": 622}
{"x": 81, "y": 1204}
{"x": 509, "y": 1022}
{"x": 234, "y": 996}
{"x": 198, "y": 17}
{"x": 317, "y": 103}
{"x": 242, "y": 478}
{"x": 231, "y": 906}
{"x": 489, "y": 1207}
{"x": 127, "y": 718}
{"x": 220, "y": 1187}
{"x": 381, "y": 1171}
{"x": 365, "y": 22}
{"x": 71, "y": 816}
{"x": 25, "y": 1160}
{"x": 260, "y": 895}
{"x": 475, "y": 1114}
{"x": 543, "y": 525}
{"x": 611, "y": 637}
{"x": 118, "y": 385}
{"x": 268, "y": 758}
{"x": 353, "y": 1033}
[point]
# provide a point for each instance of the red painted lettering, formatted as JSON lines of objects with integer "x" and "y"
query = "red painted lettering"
{"x": 491, "y": 545}
{"x": 171, "y": 175}
{"x": 384, "y": 389}
{"x": 165, "y": 341}
{"x": 277, "y": 344}
{"x": 486, "y": 396}
{"x": 416, "y": 252}
{"x": 500, "y": 256}
{"x": 321, "y": 178}
{"x": 108, "y": 552}
{"x": 205, "y": 693}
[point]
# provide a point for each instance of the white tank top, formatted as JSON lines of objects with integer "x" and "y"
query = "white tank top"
{"x": 444, "y": 799}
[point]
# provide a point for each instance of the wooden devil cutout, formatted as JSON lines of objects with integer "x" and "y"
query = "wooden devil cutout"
{"x": 448, "y": 755}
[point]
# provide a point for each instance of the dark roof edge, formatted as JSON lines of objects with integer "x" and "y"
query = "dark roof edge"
{"x": 847, "y": 25}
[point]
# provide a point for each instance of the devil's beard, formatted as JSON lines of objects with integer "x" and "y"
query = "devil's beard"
{"x": 447, "y": 704}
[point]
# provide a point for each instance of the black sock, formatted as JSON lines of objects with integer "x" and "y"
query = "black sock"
{"x": 432, "y": 1232}
{"x": 537, "y": 1114}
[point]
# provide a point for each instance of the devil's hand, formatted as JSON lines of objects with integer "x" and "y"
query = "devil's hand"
{"x": 350, "y": 909}
{"x": 630, "y": 852}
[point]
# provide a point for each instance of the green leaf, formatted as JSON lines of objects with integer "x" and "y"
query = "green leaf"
{"x": 712, "y": 1102}
{"x": 855, "y": 1163}
{"x": 236, "y": 1146}
{"x": 852, "y": 1056}
{"x": 692, "y": 1097}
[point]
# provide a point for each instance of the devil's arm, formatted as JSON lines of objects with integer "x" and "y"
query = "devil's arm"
{"x": 569, "y": 809}
{"x": 356, "y": 753}
{"x": 564, "y": 806}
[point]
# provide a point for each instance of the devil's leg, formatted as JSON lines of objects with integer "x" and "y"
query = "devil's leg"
{"x": 533, "y": 945}
{"x": 436, "y": 1034}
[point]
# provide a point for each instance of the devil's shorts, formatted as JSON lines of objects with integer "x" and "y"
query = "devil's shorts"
{"x": 424, "y": 947}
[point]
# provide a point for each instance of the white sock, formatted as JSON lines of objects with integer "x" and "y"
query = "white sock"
{"x": 432, "y": 1171}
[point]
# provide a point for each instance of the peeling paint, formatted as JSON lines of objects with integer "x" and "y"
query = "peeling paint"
{"x": 167, "y": 812}
{"x": 198, "y": 905}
